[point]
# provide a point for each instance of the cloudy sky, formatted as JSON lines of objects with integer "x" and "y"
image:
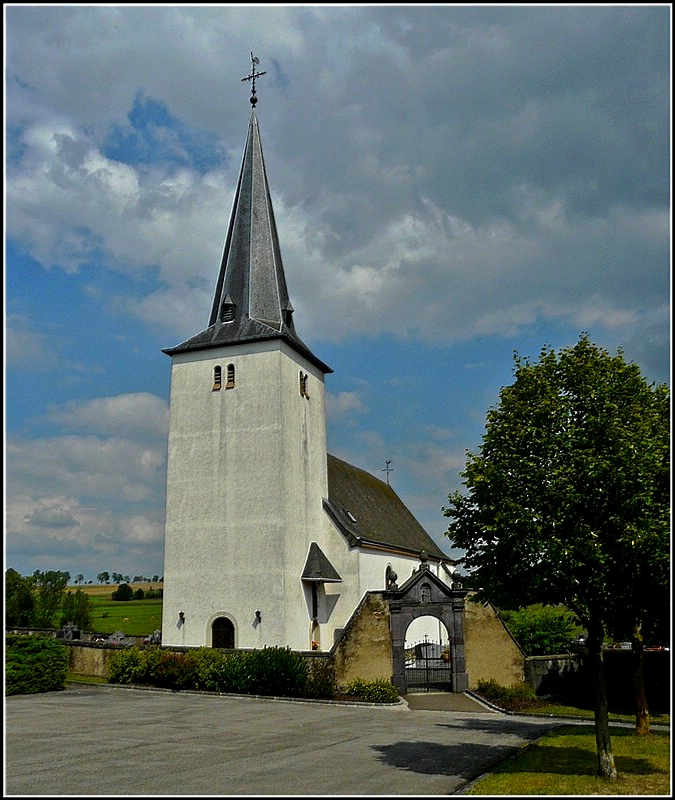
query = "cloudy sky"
{"x": 450, "y": 184}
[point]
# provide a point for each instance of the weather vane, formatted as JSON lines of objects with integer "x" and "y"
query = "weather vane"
{"x": 388, "y": 469}
{"x": 254, "y": 63}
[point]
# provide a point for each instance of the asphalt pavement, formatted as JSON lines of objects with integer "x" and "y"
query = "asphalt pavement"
{"x": 114, "y": 740}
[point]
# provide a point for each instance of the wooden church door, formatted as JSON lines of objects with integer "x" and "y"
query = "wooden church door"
{"x": 222, "y": 633}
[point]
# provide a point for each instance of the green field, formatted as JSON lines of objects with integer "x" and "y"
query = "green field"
{"x": 132, "y": 617}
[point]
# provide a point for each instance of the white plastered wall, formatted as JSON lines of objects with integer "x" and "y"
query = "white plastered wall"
{"x": 246, "y": 474}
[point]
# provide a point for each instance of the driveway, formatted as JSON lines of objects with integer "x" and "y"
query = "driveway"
{"x": 112, "y": 740}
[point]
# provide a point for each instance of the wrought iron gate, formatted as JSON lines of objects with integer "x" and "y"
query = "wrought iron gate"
{"x": 428, "y": 667}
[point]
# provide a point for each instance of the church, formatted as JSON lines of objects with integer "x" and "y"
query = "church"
{"x": 270, "y": 540}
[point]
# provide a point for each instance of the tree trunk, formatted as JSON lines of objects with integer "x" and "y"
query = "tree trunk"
{"x": 603, "y": 743}
{"x": 641, "y": 708}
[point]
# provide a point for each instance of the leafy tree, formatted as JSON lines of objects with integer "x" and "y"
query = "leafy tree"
{"x": 541, "y": 630}
{"x": 644, "y": 613}
{"x": 123, "y": 592}
{"x": 50, "y": 587}
{"x": 566, "y": 500}
{"x": 76, "y": 608}
{"x": 79, "y": 579}
{"x": 19, "y": 602}
{"x": 103, "y": 577}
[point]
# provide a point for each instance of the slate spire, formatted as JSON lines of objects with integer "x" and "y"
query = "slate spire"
{"x": 251, "y": 300}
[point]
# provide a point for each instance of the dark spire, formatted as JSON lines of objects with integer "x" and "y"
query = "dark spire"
{"x": 251, "y": 299}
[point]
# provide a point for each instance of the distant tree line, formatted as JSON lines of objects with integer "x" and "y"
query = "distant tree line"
{"x": 125, "y": 592}
{"x": 118, "y": 577}
{"x": 42, "y": 600}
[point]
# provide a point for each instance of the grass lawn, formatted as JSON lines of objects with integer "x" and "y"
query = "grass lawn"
{"x": 556, "y": 710}
{"x": 564, "y": 762}
{"x": 132, "y": 617}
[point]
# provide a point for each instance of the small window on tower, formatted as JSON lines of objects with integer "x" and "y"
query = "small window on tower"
{"x": 217, "y": 379}
{"x": 227, "y": 310}
{"x": 230, "y": 377}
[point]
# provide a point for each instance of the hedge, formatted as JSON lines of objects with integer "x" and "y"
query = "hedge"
{"x": 34, "y": 664}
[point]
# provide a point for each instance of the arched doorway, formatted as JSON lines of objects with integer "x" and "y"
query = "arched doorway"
{"x": 222, "y": 633}
{"x": 428, "y": 662}
{"x": 425, "y": 594}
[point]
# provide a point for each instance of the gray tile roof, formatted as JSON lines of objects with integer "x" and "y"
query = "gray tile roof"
{"x": 318, "y": 567}
{"x": 370, "y": 513}
{"x": 251, "y": 300}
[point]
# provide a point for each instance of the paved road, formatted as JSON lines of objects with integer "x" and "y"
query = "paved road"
{"x": 112, "y": 740}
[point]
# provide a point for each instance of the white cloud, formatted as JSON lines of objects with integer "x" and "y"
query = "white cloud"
{"x": 343, "y": 403}
{"x": 87, "y": 498}
{"x": 129, "y": 417}
{"x": 27, "y": 348}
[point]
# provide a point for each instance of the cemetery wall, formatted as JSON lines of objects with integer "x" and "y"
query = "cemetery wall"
{"x": 491, "y": 652}
{"x": 364, "y": 649}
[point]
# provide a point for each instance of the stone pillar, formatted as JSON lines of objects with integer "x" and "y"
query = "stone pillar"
{"x": 460, "y": 677}
{"x": 398, "y": 627}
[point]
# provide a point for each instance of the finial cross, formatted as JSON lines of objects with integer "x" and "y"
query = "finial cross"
{"x": 254, "y": 63}
{"x": 388, "y": 469}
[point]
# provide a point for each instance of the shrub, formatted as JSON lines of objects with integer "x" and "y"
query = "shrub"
{"x": 379, "y": 690}
{"x": 277, "y": 671}
{"x": 34, "y": 665}
{"x": 232, "y": 674}
{"x": 270, "y": 671}
{"x": 517, "y": 697}
{"x": 320, "y": 679}
{"x": 205, "y": 664}
{"x": 172, "y": 671}
{"x": 127, "y": 666}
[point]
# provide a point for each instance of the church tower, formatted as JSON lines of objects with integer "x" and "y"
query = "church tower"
{"x": 247, "y": 464}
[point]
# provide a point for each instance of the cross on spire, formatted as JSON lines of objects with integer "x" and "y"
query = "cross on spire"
{"x": 254, "y": 63}
{"x": 388, "y": 469}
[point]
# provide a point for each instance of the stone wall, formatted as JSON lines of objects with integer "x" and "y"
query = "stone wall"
{"x": 553, "y": 675}
{"x": 89, "y": 659}
{"x": 490, "y": 650}
{"x": 364, "y": 649}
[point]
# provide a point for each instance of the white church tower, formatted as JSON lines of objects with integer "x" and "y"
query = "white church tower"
{"x": 246, "y": 469}
{"x": 269, "y": 540}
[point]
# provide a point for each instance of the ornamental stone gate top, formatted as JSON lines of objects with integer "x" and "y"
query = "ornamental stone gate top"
{"x": 425, "y": 594}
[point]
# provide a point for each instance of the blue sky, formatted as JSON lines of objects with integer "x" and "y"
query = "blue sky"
{"x": 451, "y": 184}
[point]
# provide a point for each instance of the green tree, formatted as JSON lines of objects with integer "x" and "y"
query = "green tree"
{"x": 76, "y": 608}
{"x": 19, "y": 601}
{"x": 644, "y": 613}
{"x": 124, "y": 592}
{"x": 50, "y": 587}
{"x": 564, "y": 499}
{"x": 79, "y": 579}
{"x": 103, "y": 577}
{"x": 541, "y": 630}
